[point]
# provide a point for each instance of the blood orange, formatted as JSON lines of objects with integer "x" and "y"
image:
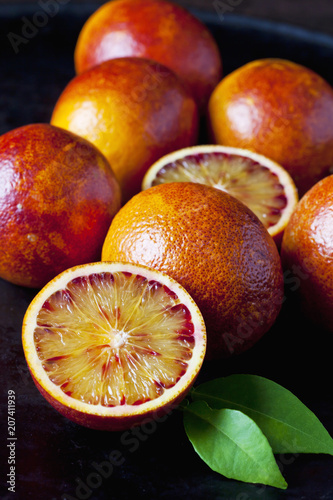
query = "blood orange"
{"x": 215, "y": 247}
{"x": 134, "y": 110}
{"x": 263, "y": 185}
{"x": 58, "y": 195}
{"x": 112, "y": 344}
{"x": 158, "y": 30}
{"x": 307, "y": 253}
{"x": 280, "y": 109}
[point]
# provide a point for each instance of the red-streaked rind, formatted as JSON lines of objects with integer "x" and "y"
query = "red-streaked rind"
{"x": 307, "y": 254}
{"x": 280, "y": 109}
{"x": 58, "y": 196}
{"x": 132, "y": 109}
{"x": 158, "y": 30}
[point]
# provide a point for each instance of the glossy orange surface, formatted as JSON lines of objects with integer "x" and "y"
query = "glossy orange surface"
{"x": 307, "y": 253}
{"x": 281, "y": 110}
{"x": 215, "y": 247}
{"x": 134, "y": 110}
{"x": 58, "y": 196}
{"x": 158, "y": 30}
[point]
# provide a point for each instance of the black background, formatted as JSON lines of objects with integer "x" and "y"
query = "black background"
{"x": 54, "y": 457}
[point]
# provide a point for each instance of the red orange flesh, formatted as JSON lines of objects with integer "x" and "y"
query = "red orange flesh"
{"x": 110, "y": 345}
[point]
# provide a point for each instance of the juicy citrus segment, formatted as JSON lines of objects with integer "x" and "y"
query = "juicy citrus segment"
{"x": 241, "y": 177}
{"x": 131, "y": 333}
{"x": 113, "y": 336}
{"x": 259, "y": 183}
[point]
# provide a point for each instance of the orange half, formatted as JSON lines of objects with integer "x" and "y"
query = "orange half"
{"x": 111, "y": 344}
{"x": 261, "y": 184}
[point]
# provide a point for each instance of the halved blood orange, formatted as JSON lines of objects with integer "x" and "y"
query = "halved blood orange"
{"x": 112, "y": 344}
{"x": 261, "y": 184}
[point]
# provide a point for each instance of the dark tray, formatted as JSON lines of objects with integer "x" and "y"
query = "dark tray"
{"x": 56, "y": 459}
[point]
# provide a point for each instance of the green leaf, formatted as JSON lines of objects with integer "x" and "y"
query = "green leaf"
{"x": 232, "y": 444}
{"x": 288, "y": 424}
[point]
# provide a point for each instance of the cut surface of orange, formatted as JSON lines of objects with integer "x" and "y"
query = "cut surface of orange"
{"x": 261, "y": 184}
{"x": 111, "y": 344}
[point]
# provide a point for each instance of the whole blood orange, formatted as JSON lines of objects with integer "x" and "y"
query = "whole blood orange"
{"x": 215, "y": 247}
{"x": 307, "y": 253}
{"x": 154, "y": 29}
{"x": 111, "y": 345}
{"x": 58, "y": 196}
{"x": 281, "y": 110}
{"x": 134, "y": 110}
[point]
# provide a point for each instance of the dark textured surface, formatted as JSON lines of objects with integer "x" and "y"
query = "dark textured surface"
{"x": 304, "y": 13}
{"x": 55, "y": 458}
